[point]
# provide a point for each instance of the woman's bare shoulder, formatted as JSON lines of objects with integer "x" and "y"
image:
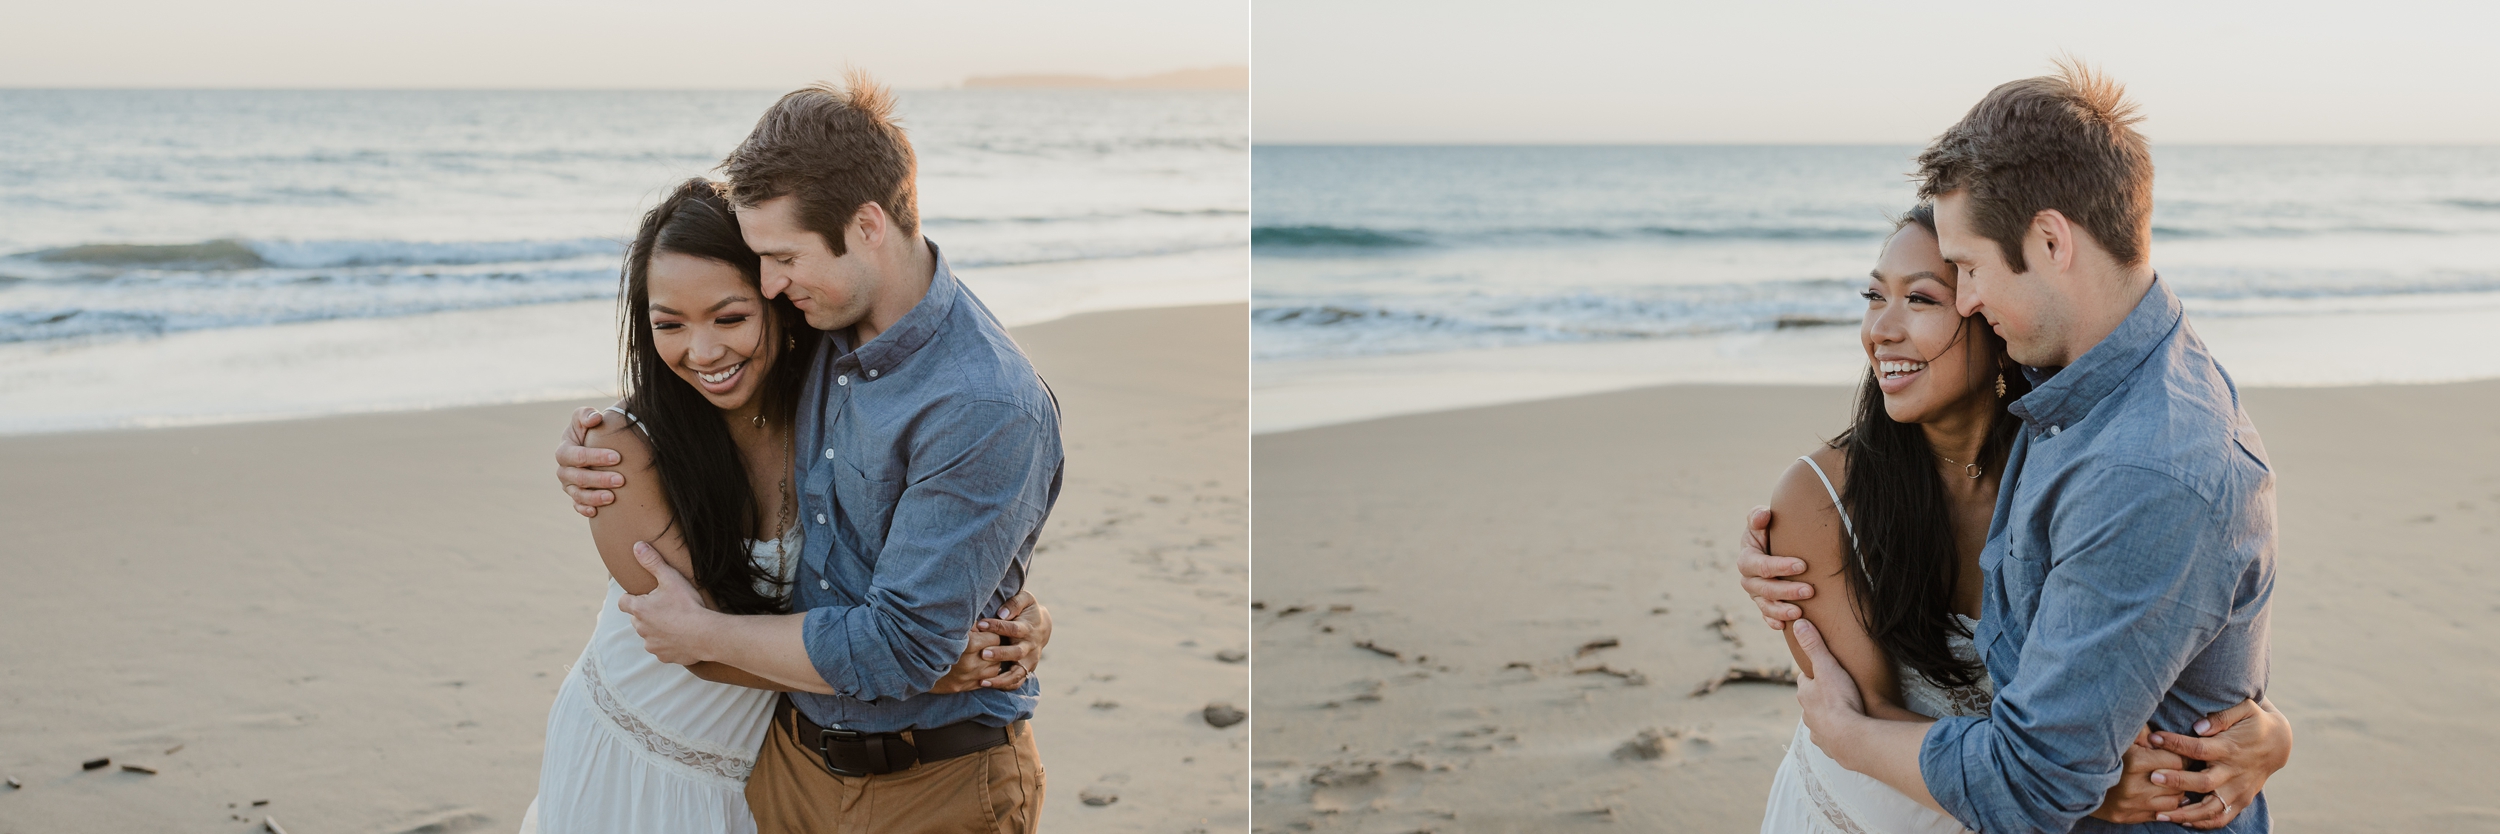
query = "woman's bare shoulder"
{"x": 1801, "y": 485}
{"x": 1805, "y": 524}
{"x": 621, "y": 435}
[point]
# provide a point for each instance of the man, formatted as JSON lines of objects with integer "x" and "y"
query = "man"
{"x": 2131, "y": 558}
{"x": 928, "y": 457}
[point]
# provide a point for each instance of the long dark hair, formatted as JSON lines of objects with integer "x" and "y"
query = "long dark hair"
{"x": 699, "y": 467}
{"x": 1904, "y": 567}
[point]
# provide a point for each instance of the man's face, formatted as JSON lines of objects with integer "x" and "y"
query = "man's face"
{"x": 832, "y": 290}
{"x": 2021, "y": 306}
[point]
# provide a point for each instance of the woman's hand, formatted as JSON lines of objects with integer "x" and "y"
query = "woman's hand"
{"x": 2136, "y": 798}
{"x": 1001, "y": 652}
{"x": 2241, "y": 747}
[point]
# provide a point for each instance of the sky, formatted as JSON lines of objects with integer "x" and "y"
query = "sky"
{"x": 1581, "y": 71}
{"x": 611, "y": 44}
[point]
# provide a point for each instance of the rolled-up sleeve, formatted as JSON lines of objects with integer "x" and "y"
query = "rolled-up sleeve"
{"x": 977, "y": 489}
{"x": 2139, "y": 580}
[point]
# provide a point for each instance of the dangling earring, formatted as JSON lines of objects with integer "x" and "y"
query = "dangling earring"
{"x": 2000, "y": 385}
{"x": 794, "y": 345}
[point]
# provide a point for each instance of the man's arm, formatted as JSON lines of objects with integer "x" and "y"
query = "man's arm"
{"x": 2139, "y": 581}
{"x": 677, "y": 628}
{"x": 988, "y": 661}
{"x": 981, "y": 481}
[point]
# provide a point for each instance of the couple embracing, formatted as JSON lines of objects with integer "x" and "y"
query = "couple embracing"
{"x": 818, "y": 502}
{"x": 2029, "y": 584}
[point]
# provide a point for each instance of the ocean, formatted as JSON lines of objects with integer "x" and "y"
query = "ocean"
{"x": 138, "y": 226}
{"x": 1741, "y": 263}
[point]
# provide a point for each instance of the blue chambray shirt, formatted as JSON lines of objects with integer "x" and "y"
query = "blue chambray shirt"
{"x": 2127, "y": 575}
{"x": 930, "y": 458}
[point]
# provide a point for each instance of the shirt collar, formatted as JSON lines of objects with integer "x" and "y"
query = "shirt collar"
{"x": 911, "y": 331}
{"x": 2063, "y": 396}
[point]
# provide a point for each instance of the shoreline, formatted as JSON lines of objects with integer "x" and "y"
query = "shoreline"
{"x": 490, "y": 356}
{"x": 2279, "y": 351}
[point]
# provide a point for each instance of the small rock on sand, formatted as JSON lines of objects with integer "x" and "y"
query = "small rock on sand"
{"x": 1648, "y": 745}
{"x": 1097, "y": 796}
{"x": 1221, "y": 715}
{"x": 1232, "y": 655}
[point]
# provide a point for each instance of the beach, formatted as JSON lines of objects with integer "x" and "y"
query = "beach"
{"x": 363, "y": 619}
{"x": 1498, "y": 618}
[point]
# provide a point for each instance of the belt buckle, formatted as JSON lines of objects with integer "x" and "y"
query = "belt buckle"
{"x": 824, "y": 746}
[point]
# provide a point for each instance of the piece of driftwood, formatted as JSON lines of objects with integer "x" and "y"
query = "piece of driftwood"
{"x": 96, "y": 764}
{"x": 1599, "y": 643}
{"x": 139, "y": 769}
{"x": 1738, "y": 674}
{"x": 271, "y": 824}
{"x": 1629, "y": 676}
{"x": 1379, "y": 649}
{"x": 1726, "y": 628}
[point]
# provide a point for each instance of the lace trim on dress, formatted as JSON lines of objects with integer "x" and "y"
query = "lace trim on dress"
{"x": 1823, "y": 802}
{"x": 631, "y": 722}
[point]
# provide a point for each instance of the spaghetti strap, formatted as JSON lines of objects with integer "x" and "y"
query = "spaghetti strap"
{"x": 1835, "y": 494}
{"x": 637, "y": 421}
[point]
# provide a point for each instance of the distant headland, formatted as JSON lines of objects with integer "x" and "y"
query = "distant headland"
{"x": 1208, "y": 78}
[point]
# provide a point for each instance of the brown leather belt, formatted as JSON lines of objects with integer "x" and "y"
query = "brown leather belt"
{"x": 854, "y": 753}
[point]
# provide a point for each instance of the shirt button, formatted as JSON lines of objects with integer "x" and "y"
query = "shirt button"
{"x": 820, "y": 518}
{"x": 828, "y": 454}
{"x": 2052, "y": 431}
{"x": 822, "y": 585}
{"x": 872, "y": 373}
{"x": 842, "y": 380}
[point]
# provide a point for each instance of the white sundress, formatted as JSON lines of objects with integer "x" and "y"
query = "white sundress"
{"x": 1813, "y": 793}
{"x": 638, "y": 746}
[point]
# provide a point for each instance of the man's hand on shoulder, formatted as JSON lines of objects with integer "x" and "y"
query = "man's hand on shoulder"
{"x": 671, "y": 618}
{"x": 1762, "y": 573}
{"x": 576, "y": 464}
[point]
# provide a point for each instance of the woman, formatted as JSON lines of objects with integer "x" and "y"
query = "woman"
{"x": 1890, "y": 519}
{"x": 713, "y": 373}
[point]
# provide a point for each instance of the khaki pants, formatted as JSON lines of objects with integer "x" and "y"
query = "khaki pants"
{"x": 995, "y": 791}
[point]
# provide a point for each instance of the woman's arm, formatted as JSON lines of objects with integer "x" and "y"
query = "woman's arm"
{"x": 640, "y": 512}
{"x": 1805, "y": 526}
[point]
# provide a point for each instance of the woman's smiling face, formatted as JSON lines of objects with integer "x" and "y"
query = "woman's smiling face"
{"x": 1919, "y": 346}
{"x": 711, "y": 327}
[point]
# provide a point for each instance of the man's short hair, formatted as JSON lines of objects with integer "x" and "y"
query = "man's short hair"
{"x": 836, "y": 149}
{"x": 2064, "y": 142}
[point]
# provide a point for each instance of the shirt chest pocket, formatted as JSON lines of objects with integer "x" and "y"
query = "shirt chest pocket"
{"x": 867, "y": 502}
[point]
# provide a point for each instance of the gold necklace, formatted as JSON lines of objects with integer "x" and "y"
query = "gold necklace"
{"x": 1970, "y": 470}
{"x": 783, "y": 571}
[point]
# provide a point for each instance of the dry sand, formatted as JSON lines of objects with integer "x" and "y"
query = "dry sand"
{"x": 364, "y": 619}
{"x": 1485, "y": 548}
